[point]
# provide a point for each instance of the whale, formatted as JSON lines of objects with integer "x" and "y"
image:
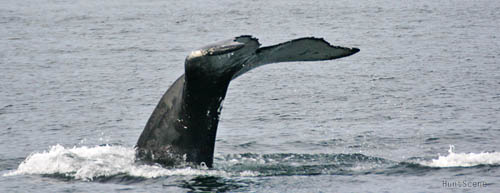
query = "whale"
{"x": 182, "y": 128}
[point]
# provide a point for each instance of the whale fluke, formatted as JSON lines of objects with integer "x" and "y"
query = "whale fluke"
{"x": 183, "y": 126}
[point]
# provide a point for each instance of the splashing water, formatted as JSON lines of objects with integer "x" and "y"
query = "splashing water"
{"x": 87, "y": 163}
{"x": 464, "y": 159}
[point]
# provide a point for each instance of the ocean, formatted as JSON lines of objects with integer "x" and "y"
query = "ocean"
{"x": 416, "y": 110}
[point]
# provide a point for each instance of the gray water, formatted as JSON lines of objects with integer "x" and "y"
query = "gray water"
{"x": 416, "y": 110}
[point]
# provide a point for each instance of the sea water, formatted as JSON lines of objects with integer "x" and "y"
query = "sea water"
{"x": 416, "y": 110}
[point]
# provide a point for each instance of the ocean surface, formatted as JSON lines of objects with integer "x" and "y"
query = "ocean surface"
{"x": 416, "y": 110}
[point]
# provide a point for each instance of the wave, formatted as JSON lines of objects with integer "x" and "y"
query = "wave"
{"x": 88, "y": 163}
{"x": 464, "y": 159}
{"x": 279, "y": 164}
{"x": 104, "y": 163}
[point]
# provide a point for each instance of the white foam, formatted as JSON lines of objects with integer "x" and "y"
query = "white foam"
{"x": 464, "y": 159}
{"x": 87, "y": 163}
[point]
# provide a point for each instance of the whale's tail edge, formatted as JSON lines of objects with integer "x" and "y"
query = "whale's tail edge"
{"x": 301, "y": 49}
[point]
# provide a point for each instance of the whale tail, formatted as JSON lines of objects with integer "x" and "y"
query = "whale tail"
{"x": 302, "y": 49}
{"x": 183, "y": 126}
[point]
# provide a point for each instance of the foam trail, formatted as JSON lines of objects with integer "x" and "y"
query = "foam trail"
{"x": 87, "y": 163}
{"x": 464, "y": 159}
